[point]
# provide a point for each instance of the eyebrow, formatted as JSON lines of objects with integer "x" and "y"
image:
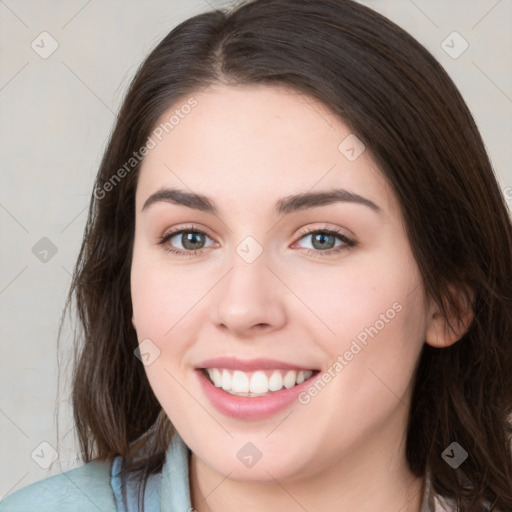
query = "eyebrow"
{"x": 283, "y": 206}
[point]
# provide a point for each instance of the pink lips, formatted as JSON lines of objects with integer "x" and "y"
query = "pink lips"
{"x": 250, "y": 408}
{"x": 232, "y": 363}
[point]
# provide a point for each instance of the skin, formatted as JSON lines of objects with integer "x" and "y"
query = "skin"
{"x": 245, "y": 148}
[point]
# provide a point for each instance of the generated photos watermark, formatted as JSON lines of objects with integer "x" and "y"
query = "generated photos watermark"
{"x": 152, "y": 141}
{"x": 357, "y": 345}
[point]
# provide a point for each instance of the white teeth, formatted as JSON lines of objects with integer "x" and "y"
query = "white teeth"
{"x": 226, "y": 380}
{"x": 259, "y": 383}
{"x": 216, "y": 377}
{"x": 275, "y": 383}
{"x": 289, "y": 379}
{"x": 240, "y": 382}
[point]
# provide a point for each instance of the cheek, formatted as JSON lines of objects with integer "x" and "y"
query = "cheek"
{"x": 149, "y": 300}
{"x": 379, "y": 325}
{"x": 164, "y": 298}
{"x": 162, "y": 312}
{"x": 364, "y": 300}
{"x": 380, "y": 333}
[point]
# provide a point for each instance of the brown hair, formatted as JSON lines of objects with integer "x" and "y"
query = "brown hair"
{"x": 400, "y": 102}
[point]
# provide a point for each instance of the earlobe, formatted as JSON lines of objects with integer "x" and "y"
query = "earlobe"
{"x": 442, "y": 332}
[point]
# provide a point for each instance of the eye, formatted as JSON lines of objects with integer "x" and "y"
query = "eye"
{"x": 323, "y": 241}
{"x": 190, "y": 241}
{"x": 185, "y": 241}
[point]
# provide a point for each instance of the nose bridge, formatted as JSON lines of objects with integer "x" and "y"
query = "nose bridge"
{"x": 248, "y": 295}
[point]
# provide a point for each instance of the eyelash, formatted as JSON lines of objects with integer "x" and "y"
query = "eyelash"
{"x": 348, "y": 242}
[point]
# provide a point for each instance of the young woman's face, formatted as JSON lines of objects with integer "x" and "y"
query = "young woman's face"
{"x": 266, "y": 284}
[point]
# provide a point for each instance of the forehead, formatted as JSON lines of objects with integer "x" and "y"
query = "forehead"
{"x": 256, "y": 143}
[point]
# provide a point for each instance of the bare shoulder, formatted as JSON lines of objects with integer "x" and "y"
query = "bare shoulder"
{"x": 86, "y": 488}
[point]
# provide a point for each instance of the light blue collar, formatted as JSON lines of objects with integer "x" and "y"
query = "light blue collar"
{"x": 175, "y": 488}
{"x": 167, "y": 491}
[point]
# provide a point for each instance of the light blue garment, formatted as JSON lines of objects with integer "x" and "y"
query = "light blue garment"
{"x": 168, "y": 491}
{"x": 97, "y": 487}
{"x": 126, "y": 493}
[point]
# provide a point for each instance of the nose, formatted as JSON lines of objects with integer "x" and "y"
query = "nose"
{"x": 249, "y": 299}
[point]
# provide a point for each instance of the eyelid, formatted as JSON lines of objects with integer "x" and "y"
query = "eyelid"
{"x": 189, "y": 227}
{"x": 326, "y": 228}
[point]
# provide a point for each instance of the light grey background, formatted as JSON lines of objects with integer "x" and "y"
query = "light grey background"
{"x": 56, "y": 115}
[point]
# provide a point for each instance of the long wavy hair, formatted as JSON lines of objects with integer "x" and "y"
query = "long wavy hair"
{"x": 401, "y": 103}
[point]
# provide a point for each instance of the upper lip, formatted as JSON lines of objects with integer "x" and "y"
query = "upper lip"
{"x": 247, "y": 365}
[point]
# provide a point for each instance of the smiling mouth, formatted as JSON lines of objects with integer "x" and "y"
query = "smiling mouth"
{"x": 256, "y": 383}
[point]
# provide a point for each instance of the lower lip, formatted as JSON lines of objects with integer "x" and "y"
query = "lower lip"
{"x": 247, "y": 408}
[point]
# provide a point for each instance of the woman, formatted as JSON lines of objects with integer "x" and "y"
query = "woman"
{"x": 295, "y": 283}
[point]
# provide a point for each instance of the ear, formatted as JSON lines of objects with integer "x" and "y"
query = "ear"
{"x": 441, "y": 331}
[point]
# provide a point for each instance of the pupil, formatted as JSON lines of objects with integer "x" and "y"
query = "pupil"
{"x": 320, "y": 237}
{"x": 190, "y": 240}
